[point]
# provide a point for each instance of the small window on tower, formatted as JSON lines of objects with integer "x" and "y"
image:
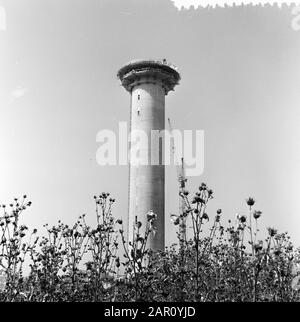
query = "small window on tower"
{"x": 139, "y": 96}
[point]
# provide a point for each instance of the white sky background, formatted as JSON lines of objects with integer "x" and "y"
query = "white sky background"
{"x": 58, "y": 87}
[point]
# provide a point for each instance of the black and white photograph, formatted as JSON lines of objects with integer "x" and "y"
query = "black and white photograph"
{"x": 149, "y": 152}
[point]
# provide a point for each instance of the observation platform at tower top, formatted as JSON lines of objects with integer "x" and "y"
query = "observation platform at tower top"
{"x": 149, "y": 71}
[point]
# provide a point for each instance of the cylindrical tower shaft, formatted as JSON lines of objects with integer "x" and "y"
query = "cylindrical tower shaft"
{"x": 148, "y": 82}
{"x": 147, "y": 181}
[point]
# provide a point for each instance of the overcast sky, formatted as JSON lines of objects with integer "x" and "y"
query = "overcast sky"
{"x": 58, "y": 88}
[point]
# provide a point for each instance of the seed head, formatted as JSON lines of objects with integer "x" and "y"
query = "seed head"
{"x": 272, "y": 231}
{"x": 151, "y": 215}
{"x": 257, "y": 214}
{"x": 205, "y": 216}
{"x": 250, "y": 202}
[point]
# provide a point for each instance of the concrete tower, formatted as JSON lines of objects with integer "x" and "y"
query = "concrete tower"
{"x": 148, "y": 81}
